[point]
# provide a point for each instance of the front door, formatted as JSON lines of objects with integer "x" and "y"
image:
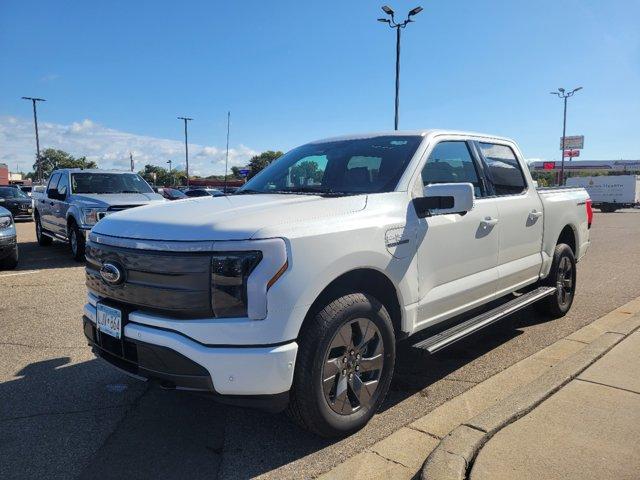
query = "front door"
{"x": 60, "y": 206}
{"x": 457, "y": 254}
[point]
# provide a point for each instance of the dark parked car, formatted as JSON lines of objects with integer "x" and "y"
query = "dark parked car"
{"x": 8, "y": 243}
{"x": 17, "y": 202}
{"x": 171, "y": 193}
{"x": 203, "y": 192}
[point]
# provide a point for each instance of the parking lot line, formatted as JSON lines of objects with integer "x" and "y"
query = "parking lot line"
{"x": 13, "y": 274}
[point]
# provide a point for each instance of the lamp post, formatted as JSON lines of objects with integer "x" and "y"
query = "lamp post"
{"x": 170, "y": 176}
{"x": 398, "y": 26}
{"x": 35, "y": 121}
{"x": 186, "y": 146}
{"x": 226, "y": 158}
{"x": 562, "y": 93}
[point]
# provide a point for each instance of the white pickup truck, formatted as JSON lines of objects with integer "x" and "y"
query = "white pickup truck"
{"x": 294, "y": 291}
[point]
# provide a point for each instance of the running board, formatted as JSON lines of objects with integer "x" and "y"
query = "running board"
{"x": 461, "y": 330}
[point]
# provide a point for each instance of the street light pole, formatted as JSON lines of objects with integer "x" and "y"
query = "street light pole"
{"x": 35, "y": 121}
{"x": 186, "y": 146}
{"x": 226, "y": 161}
{"x": 562, "y": 93}
{"x": 170, "y": 176}
{"x": 392, "y": 23}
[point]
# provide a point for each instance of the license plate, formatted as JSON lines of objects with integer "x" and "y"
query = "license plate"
{"x": 108, "y": 320}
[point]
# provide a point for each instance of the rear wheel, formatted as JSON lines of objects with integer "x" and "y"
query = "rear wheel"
{"x": 43, "y": 240}
{"x": 345, "y": 363}
{"x": 76, "y": 242}
{"x": 563, "y": 277}
{"x": 10, "y": 262}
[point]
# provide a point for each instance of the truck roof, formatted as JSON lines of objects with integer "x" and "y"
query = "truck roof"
{"x": 421, "y": 133}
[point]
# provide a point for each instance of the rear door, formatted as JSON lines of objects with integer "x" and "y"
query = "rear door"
{"x": 457, "y": 254}
{"x": 45, "y": 207}
{"x": 520, "y": 211}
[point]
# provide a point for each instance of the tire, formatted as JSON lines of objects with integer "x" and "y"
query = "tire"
{"x": 10, "y": 262}
{"x": 76, "y": 241}
{"x": 563, "y": 276}
{"x": 342, "y": 372}
{"x": 43, "y": 240}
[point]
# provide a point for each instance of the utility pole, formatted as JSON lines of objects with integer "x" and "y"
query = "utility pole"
{"x": 392, "y": 23}
{"x": 35, "y": 121}
{"x": 562, "y": 93}
{"x": 226, "y": 161}
{"x": 186, "y": 146}
{"x": 131, "y": 161}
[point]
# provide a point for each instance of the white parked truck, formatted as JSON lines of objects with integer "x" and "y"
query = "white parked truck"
{"x": 610, "y": 192}
{"x": 293, "y": 292}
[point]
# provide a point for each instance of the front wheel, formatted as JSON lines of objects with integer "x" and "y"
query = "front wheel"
{"x": 562, "y": 276}
{"x": 344, "y": 367}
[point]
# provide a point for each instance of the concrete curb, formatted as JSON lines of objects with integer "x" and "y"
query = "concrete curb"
{"x": 454, "y": 455}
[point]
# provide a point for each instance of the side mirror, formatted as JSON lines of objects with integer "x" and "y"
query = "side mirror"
{"x": 444, "y": 198}
{"x": 53, "y": 194}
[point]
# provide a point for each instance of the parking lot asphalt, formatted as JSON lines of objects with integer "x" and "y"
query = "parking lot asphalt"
{"x": 65, "y": 414}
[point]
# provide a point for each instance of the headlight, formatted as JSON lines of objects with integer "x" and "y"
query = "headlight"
{"x": 90, "y": 215}
{"x": 229, "y": 274}
{"x": 5, "y": 222}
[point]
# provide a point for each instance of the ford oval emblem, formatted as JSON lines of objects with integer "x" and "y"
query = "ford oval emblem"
{"x": 112, "y": 273}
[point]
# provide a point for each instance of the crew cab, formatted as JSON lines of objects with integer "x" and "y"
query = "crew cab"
{"x": 293, "y": 292}
{"x": 76, "y": 199}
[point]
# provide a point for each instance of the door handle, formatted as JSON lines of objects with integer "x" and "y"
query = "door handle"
{"x": 535, "y": 214}
{"x": 490, "y": 221}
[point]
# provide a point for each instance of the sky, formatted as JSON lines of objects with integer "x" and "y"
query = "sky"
{"x": 117, "y": 74}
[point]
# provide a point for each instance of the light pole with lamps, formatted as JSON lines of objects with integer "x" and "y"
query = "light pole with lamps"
{"x": 398, "y": 26}
{"x": 170, "y": 176}
{"x": 562, "y": 93}
{"x": 35, "y": 121}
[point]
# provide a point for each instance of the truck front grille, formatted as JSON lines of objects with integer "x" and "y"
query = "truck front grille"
{"x": 176, "y": 284}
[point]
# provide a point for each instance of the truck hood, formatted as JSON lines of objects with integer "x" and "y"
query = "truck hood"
{"x": 236, "y": 217}
{"x": 117, "y": 199}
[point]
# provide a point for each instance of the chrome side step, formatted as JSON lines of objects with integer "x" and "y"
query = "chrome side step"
{"x": 461, "y": 330}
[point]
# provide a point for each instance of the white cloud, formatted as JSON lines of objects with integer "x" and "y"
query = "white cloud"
{"x": 109, "y": 147}
{"x": 49, "y": 77}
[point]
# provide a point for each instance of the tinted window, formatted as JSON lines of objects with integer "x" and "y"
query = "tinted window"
{"x": 53, "y": 182}
{"x": 504, "y": 169}
{"x": 63, "y": 184}
{"x": 11, "y": 192}
{"x": 362, "y": 165}
{"x": 451, "y": 162}
{"x": 196, "y": 193}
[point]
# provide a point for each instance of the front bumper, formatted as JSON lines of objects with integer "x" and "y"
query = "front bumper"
{"x": 7, "y": 245}
{"x": 259, "y": 376}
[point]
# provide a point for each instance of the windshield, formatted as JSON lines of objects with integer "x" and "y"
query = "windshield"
{"x": 86, "y": 182}
{"x": 343, "y": 167}
{"x": 11, "y": 192}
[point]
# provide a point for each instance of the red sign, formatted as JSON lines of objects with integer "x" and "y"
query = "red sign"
{"x": 548, "y": 165}
{"x": 572, "y": 153}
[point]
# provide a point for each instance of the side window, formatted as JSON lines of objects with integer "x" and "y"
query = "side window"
{"x": 504, "y": 169}
{"x": 63, "y": 184}
{"x": 451, "y": 162}
{"x": 53, "y": 182}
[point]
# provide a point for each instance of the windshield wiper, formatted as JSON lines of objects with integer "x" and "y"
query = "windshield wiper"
{"x": 247, "y": 191}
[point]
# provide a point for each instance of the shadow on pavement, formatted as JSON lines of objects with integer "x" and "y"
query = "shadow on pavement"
{"x": 36, "y": 257}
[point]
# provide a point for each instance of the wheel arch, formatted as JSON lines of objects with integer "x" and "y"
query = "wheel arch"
{"x": 362, "y": 280}
{"x": 568, "y": 236}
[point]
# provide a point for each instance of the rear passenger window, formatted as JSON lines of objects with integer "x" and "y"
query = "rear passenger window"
{"x": 504, "y": 169}
{"x": 451, "y": 162}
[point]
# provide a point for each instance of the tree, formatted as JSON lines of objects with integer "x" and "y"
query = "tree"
{"x": 260, "y": 162}
{"x": 156, "y": 175}
{"x": 52, "y": 159}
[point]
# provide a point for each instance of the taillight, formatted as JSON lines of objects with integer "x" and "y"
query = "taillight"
{"x": 589, "y": 213}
